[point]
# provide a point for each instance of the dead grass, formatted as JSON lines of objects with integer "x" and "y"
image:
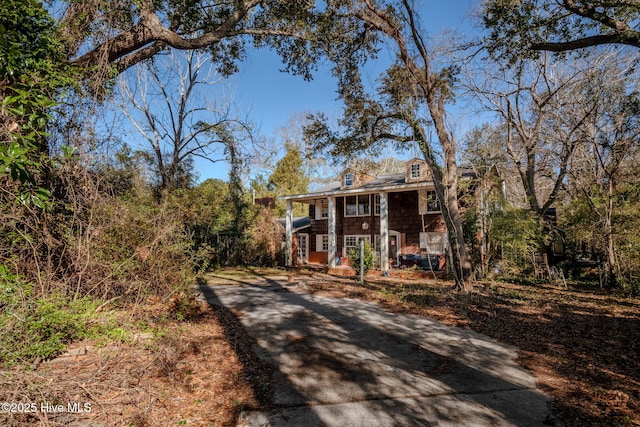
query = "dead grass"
{"x": 190, "y": 375}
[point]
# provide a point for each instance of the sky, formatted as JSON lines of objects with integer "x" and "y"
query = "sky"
{"x": 271, "y": 97}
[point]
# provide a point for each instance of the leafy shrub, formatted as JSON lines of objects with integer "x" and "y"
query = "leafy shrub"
{"x": 355, "y": 259}
{"x": 519, "y": 233}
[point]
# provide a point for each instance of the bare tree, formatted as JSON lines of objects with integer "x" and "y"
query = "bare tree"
{"x": 606, "y": 164}
{"x": 541, "y": 113}
{"x": 173, "y": 107}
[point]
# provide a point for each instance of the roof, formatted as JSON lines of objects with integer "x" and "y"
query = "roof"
{"x": 298, "y": 223}
{"x": 388, "y": 183}
{"x": 392, "y": 182}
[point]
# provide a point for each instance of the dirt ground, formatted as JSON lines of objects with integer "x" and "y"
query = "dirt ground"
{"x": 197, "y": 372}
{"x": 582, "y": 345}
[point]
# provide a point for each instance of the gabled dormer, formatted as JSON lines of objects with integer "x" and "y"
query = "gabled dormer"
{"x": 417, "y": 171}
{"x": 353, "y": 179}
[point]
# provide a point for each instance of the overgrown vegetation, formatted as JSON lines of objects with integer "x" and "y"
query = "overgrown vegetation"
{"x": 36, "y": 328}
{"x": 84, "y": 231}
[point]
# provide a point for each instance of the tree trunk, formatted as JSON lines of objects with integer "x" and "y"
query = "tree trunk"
{"x": 428, "y": 87}
{"x": 459, "y": 256}
{"x": 447, "y": 192}
{"x": 611, "y": 250}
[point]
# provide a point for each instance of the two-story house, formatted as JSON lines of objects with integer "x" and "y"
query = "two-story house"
{"x": 398, "y": 214}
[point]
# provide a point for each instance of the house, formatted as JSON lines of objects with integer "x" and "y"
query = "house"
{"x": 398, "y": 214}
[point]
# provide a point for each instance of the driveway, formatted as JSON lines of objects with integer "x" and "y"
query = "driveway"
{"x": 344, "y": 362}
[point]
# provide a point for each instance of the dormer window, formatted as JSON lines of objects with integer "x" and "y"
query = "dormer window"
{"x": 415, "y": 170}
{"x": 348, "y": 179}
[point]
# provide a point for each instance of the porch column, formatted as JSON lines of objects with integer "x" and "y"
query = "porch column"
{"x": 288, "y": 227}
{"x": 331, "y": 222}
{"x": 384, "y": 233}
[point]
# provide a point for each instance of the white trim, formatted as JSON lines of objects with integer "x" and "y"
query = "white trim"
{"x": 419, "y": 171}
{"x": 398, "y": 237}
{"x": 320, "y": 247}
{"x": 288, "y": 225}
{"x": 331, "y": 229}
{"x": 351, "y": 179}
{"x": 384, "y": 232}
{"x": 322, "y": 207}
{"x": 423, "y": 202}
{"x": 358, "y": 237}
{"x": 357, "y": 205}
{"x": 305, "y": 258}
{"x": 368, "y": 190}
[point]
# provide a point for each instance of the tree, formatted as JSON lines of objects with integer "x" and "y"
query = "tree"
{"x": 289, "y": 177}
{"x": 541, "y": 112}
{"x": 396, "y": 113}
{"x": 103, "y": 36}
{"x": 97, "y": 40}
{"x": 32, "y": 72}
{"x": 166, "y": 103}
{"x": 318, "y": 169}
{"x": 524, "y": 27}
{"x": 604, "y": 171}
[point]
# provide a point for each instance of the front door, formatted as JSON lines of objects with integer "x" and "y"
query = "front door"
{"x": 394, "y": 241}
{"x": 303, "y": 248}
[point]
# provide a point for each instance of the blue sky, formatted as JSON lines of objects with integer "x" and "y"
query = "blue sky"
{"x": 272, "y": 97}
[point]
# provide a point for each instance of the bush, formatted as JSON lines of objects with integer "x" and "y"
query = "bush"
{"x": 355, "y": 260}
{"x": 260, "y": 243}
{"x": 519, "y": 234}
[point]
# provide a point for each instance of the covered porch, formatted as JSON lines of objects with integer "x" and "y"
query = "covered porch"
{"x": 332, "y": 254}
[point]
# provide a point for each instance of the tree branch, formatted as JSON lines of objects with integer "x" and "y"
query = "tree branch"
{"x": 631, "y": 38}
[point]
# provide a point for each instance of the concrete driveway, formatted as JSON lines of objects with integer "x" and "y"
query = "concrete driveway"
{"x": 344, "y": 362}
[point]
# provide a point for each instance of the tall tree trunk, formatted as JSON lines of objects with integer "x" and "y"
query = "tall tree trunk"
{"x": 429, "y": 87}
{"x": 447, "y": 192}
{"x": 459, "y": 255}
{"x": 611, "y": 250}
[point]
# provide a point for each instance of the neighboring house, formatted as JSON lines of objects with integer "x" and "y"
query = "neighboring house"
{"x": 399, "y": 215}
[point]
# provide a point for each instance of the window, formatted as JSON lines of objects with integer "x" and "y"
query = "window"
{"x": 415, "y": 170}
{"x": 322, "y": 243}
{"x": 428, "y": 202}
{"x": 433, "y": 205}
{"x": 357, "y": 205}
{"x": 322, "y": 209}
{"x": 353, "y": 241}
{"x": 376, "y": 203}
{"x": 348, "y": 179}
{"x": 434, "y": 243}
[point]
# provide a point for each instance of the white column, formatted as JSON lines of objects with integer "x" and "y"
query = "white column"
{"x": 384, "y": 233}
{"x": 288, "y": 227}
{"x": 331, "y": 223}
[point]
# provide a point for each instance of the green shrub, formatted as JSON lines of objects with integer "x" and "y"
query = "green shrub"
{"x": 355, "y": 260}
{"x": 519, "y": 233}
{"x": 39, "y": 327}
